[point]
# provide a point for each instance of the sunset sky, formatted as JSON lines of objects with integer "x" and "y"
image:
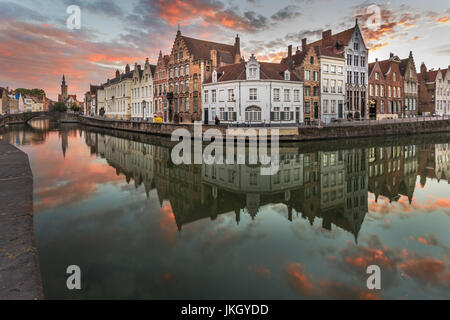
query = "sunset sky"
{"x": 36, "y": 47}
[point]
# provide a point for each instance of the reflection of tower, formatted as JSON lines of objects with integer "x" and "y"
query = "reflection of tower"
{"x": 64, "y": 142}
{"x": 64, "y": 94}
{"x": 252, "y": 204}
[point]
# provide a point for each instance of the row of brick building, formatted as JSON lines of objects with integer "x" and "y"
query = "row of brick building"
{"x": 337, "y": 83}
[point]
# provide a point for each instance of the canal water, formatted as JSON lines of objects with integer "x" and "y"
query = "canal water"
{"x": 140, "y": 227}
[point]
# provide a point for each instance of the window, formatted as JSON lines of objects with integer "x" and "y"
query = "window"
{"x": 316, "y": 91}
{"x": 395, "y": 76}
{"x": 253, "y": 114}
{"x": 253, "y": 94}
{"x": 333, "y": 69}
{"x": 356, "y": 77}
{"x": 316, "y": 75}
{"x": 356, "y": 46}
{"x": 363, "y": 61}
{"x": 349, "y": 59}
{"x": 206, "y": 96}
{"x": 307, "y": 75}
{"x": 287, "y": 94}
{"x": 325, "y": 85}
{"x": 340, "y": 70}
{"x": 325, "y": 68}
{"x": 377, "y": 76}
{"x": 356, "y": 60}
{"x": 340, "y": 86}
{"x": 296, "y": 95}
{"x": 287, "y": 75}
{"x": 252, "y": 72}
{"x": 311, "y": 60}
{"x": 186, "y": 104}
{"x": 276, "y": 94}
{"x": 349, "y": 77}
{"x": 230, "y": 95}
{"x": 333, "y": 86}
{"x": 307, "y": 91}
{"x": 363, "y": 78}
{"x": 333, "y": 106}
{"x": 214, "y": 96}
{"x": 187, "y": 69}
{"x": 307, "y": 107}
{"x": 325, "y": 106}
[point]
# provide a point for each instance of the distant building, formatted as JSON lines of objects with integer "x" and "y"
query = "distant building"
{"x": 253, "y": 92}
{"x": 410, "y": 86}
{"x": 160, "y": 84}
{"x": 434, "y": 91}
{"x": 191, "y": 63}
{"x": 67, "y": 99}
{"x": 117, "y": 102}
{"x": 386, "y": 89}
{"x": 142, "y": 92}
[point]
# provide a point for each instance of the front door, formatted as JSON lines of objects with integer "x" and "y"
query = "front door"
{"x": 340, "y": 111}
{"x": 206, "y": 116}
{"x": 316, "y": 110}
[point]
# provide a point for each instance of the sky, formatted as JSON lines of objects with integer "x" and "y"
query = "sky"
{"x": 37, "y": 47}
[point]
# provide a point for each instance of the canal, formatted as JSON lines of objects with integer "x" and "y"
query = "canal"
{"x": 140, "y": 227}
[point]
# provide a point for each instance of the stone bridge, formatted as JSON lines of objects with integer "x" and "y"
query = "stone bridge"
{"x": 21, "y": 118}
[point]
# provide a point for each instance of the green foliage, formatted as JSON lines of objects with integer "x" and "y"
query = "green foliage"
{"x": 75, "y": 108}
{"x": 33, "y": 92}
{"x": 59, "y": 107}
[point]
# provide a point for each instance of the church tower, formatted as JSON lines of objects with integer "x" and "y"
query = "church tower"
{"x": 64, "y": 94}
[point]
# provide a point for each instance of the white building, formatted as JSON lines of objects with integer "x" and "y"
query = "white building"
{"x": 443, "y": 92}
{"x": 117, "y": 102}
{"x": 333, "y": 86}
{"x": 142, "y": 92}
{"x": 253, "y": 92}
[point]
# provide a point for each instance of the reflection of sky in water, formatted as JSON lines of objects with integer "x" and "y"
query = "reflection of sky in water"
{"x": 128, "y": 245}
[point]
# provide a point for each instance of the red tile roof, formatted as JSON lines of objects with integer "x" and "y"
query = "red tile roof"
{"x": 201, "y": 49}
{"x": 268, "y": 71}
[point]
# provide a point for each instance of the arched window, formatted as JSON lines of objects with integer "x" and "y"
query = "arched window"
{"x": 253, "y": 114}
{"x": 311, "y": 60}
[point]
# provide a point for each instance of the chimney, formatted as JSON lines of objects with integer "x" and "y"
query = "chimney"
{"x": 290, "y": 52}
{"x": 117, "y": 73}
{"x": 213, "y": 55}
{"x": 326, "y": 36}
{"x": 237, "y": 49}
{"x": 303, "y": 44}
{"x": 127, "y": 69}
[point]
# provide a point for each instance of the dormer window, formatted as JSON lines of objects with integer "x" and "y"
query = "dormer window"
{"x": 287, "y": 75}
{"x": 252, "y": 67}
{"x": 214, "y": 76}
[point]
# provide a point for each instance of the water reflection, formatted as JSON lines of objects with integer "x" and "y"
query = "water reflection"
{"x": 142, "y": 227}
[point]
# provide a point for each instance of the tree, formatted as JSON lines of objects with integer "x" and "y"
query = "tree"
{"x": 59, "y": 107}
{"x": 75, "y": 107}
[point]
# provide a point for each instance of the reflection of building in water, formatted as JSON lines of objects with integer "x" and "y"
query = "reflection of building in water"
{"x": 247, "y": 180}
{"x": 442, "y": 161}
{"x": 426, "y": 161}
{"x": 393, "y": 171}
{"x": 356, "y": 191}
{"x": 331, "y": 186}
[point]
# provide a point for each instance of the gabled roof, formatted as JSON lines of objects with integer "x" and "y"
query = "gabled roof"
{"x": 342, "y": 38}
{"x": 268, "y": 71}
{"x": 431, "y": 75}
{"x": 201, "y": 49}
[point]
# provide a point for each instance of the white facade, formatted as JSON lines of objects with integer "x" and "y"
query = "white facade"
{"x": 443, "y": 93}
{"x": 117, "y": 101}
{"x": 333, "y": 88}
{"x": 142, "y": 93}
{"x": 253, "y": 100}
{"x": 356, "y": 76}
